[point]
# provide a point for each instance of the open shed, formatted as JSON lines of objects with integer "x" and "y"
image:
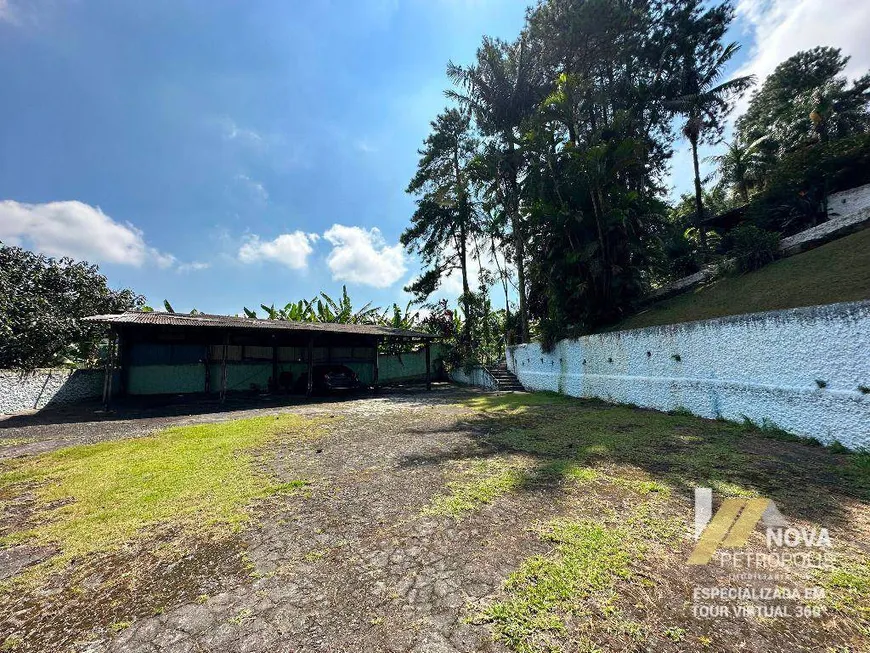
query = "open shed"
{"x": 170, "y": 353}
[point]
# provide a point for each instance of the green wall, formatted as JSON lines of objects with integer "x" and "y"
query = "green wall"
{"x": 179, "y": 379}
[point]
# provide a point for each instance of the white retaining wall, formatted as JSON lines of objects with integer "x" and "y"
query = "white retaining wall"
{"x": 478, "y": 377}
{"x": 764, "y": 366}
{"x": 849, "y": 201}
{"x": 37, "y": 389}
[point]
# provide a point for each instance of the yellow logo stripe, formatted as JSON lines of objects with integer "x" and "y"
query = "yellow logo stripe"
{"x": 716, "y": 531}
{"x": 745, "y": 524}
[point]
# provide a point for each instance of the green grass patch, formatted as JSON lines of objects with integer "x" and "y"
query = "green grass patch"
{"x": 577, "y": 579}
{"x": 98, "y": 497}
{"x": 477, "y": 484}
{"x": 847, "y": 590}
{"x": 836, "y": 272}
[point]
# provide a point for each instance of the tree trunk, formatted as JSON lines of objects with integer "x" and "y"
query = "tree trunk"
{"x": 464, "y": 214}
{"x": 519, "y": 245}
{"x": 699, "y": 206}
{"x": 466, "y": 294}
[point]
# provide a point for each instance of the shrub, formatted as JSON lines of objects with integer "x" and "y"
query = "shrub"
{"x": 752, "y": 247}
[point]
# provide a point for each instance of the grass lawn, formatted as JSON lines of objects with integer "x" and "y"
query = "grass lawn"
{"x": 836, "y": 272}
{"x": 626, "y": 474}
{"x": 96, "y": 498}
{"x": 545, "y": 523}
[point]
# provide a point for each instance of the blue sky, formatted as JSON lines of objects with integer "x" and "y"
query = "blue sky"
{"x": 222, "y": 154}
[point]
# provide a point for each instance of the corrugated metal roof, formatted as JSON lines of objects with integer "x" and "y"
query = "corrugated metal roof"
{"x": 230, "y": 322}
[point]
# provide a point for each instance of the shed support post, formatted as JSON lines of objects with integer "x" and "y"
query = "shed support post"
{"x": 207, "y": 361}
{"x": 428, "y": 366}
{"x": 274, "y": 388}
{"x": 310, "y": 384}
{"x": 226, "y": 353}
{"x": 110, "y": 372}
{"x": 124, "y": 364}
{"x": 375, "y": 368}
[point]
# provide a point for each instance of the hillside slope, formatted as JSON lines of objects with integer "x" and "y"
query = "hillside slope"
{"x": 836, "y": 272}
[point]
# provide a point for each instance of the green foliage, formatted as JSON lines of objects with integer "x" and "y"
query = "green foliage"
{"x": 811, "y": 81}
{"x": 323, "y": 309}
{"x": 42, "y": 301}
{"x": 752, "y": 247}
{"x": 445, "y": 221}
{"x": 795, "y": 195}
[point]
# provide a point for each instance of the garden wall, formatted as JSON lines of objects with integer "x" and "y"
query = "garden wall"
{"x": 806, "y": 370}
{"x": 41, "y": 388}
{"x": 477, "y": 377}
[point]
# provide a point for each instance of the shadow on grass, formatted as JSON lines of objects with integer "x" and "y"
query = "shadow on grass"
{"x": 565, "y": 436}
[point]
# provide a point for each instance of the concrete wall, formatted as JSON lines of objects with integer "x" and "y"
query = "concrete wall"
{"x": 42, "y": 388}
{"x": 764, "y": 366}
{"x": 478, "y": 377}
{"x": 849, "y": 201}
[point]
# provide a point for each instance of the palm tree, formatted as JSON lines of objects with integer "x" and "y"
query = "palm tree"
{"x": 502, "y": 91}
{"x": 705, "y": 102}
{"x": 739, "y": 165}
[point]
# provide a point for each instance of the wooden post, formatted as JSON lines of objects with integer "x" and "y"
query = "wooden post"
{"x": 428, "y": 367}
{"x": 207, "y": 369}
{"x": 123, "y": 364}
{"x": 375, "y": 369}
{"x": 310, "y": 365}
{"x": 226, "y": 354}
{"x": 110, "y": 372}
{"x": 274, "y": 388}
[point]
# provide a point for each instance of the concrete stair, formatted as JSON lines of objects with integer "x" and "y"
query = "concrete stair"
{"x": 504, "y": 378}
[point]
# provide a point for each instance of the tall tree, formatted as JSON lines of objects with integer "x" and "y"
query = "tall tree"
{"x": 810, "y": 82}
{"x": 502, "y": 89}
{"x": 700, "y": 97}
{"x": 445, "y": 220}
{"x": 595, "y": 150}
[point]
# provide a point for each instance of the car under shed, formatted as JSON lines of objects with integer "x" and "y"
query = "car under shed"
{"x": 154, "y": 353}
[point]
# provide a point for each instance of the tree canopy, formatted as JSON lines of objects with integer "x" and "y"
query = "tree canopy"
{"x": 41, "y": 302}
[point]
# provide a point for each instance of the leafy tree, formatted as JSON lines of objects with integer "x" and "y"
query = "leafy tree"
{"x": 502, "y": 89}
{"x": 322, "y": 309}
{"x": 445, "y": 220}
{"x": 739, "y": 166}
{"x": 806, "y": 98}
{"x": 42, "y": 301}
{"x": 700, "y": 97}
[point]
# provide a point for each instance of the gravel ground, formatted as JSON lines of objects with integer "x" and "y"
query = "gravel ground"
{"x": 354, "y": 566}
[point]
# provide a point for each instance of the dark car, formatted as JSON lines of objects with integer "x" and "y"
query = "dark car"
{"x": 328, "y": 378}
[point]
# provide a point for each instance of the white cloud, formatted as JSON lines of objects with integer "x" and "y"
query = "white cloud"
{"x": 781, "y": 28}
{"x": 193, "y": 266}
{"x": 291, "y": 250}
{"x": 8, "y": 13}
{"x": 233, "y": 132}
{"x": 77, "y": 230}
{"x": 362, "y": 256}
{"x": 255, "y": 188}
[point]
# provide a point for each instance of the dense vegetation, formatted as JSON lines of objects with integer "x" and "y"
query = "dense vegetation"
{"x": 41, "y": 302}
{"x": 554, "y": 155}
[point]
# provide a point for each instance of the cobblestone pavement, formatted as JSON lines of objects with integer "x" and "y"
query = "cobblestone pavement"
{"x": 353, "y": 566}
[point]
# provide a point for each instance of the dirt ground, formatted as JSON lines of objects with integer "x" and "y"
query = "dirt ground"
{"x": 358, "y": 562}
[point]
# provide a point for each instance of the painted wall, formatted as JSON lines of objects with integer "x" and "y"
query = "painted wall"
{"x": 763, "y": 366}
{"x": 477, "y": 377}
{"x": 849, "y": 201}
{"x": 167, "y": 378}
{"x": 45, "y": 387}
